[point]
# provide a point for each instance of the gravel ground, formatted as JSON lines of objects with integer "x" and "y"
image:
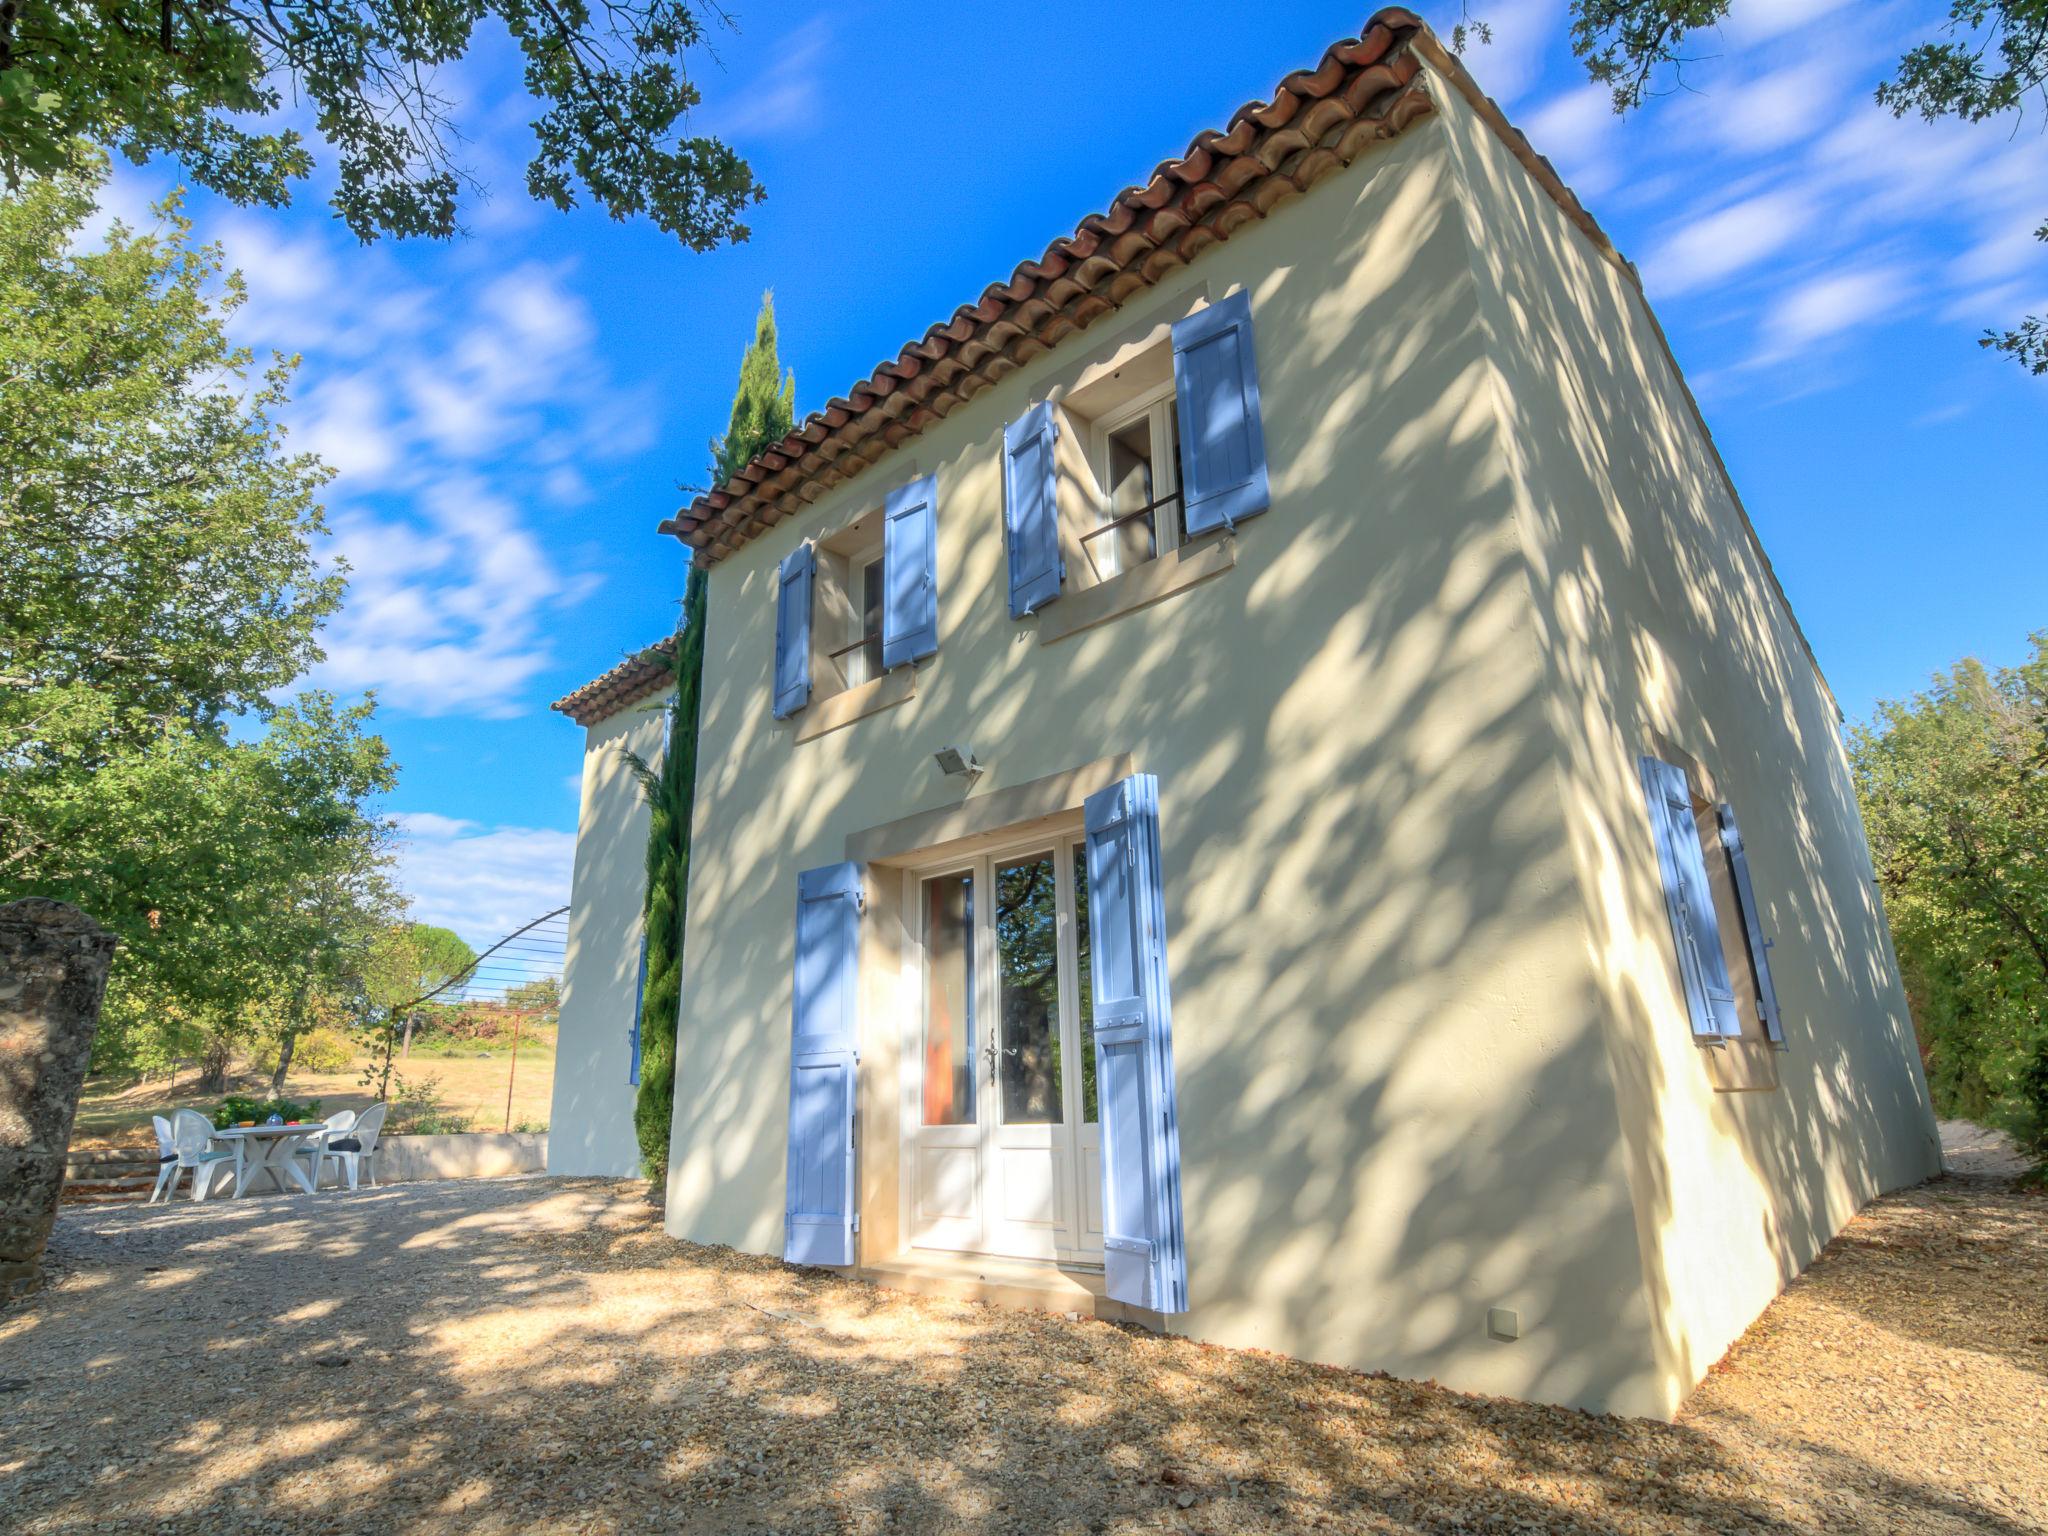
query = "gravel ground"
{"x": 533, "y": 1355}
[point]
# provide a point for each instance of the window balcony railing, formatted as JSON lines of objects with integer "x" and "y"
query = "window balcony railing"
{"x": 1148, "y": 514}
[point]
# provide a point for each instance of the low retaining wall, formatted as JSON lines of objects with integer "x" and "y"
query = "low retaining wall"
{"x": 467, "y": 1155}
{"x": 127, "y": 1174}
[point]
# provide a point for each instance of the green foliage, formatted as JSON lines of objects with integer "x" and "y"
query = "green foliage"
{"x": 763, "y": 410}
{"x": 1991, "y": 57}
{"x": 764, "y": 406}
{"x": 671, "y": 792}
{"x": 1954, "y": 787}
{"x": 325, "y": 1049}
{"x": 203, "y": 85}
{"x": 540, "y": 999}
{"x": 409, "y": 960}
{"x": 159, "y": 591}
{"x": 238, "y": 1107}
{"x": 418, "y": 1109}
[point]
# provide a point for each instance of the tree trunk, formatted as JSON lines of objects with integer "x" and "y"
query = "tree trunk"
{"x": 285, "y": 1047}
{"x": 214, "y": 1063}
{"x": 53, "y": 977}
{"x": 405, "y": 1051}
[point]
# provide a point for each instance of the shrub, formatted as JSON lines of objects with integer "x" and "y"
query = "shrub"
{"x": 237, "y": 1107}
{"x": 324, "y": 1050}
{"x": 417, "y": 1109}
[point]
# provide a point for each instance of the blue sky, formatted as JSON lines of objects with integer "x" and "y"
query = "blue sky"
{"x": 511, "y": 412}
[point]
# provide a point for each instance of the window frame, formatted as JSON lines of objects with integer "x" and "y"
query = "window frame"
{"x": 1158, "y": 406}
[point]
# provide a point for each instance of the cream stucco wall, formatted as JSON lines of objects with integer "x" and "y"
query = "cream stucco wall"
{"x": 1658, "y": 617}
{"x": 591, "y": 1127}
{"x": 1429, "y": 1052}
{"x": 1395, "y": 1094}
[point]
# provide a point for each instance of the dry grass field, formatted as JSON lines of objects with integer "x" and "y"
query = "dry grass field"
{"x": 114, "y": 1112}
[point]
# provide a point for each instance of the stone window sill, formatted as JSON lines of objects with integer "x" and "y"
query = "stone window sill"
{"x": 1741, "y": 1066}
{"x": 1139, "y": 587}
{"x": 842, "y": 709}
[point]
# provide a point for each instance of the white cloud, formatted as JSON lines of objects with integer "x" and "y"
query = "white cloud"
{"x": 1522, "y": 32}
{"x": 1829, "y": 305}
{"x": 1780, "y": 108}
{"x": 1724, "y": 243}
{"x": 785, "y": 99}
{"x": 1755, "y": 21}
{"x": 481, "y": 881}
{"x": 1576, "y": 131}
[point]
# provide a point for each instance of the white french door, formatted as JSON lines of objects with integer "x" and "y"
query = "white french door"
{"x": 1003, "y": 1151}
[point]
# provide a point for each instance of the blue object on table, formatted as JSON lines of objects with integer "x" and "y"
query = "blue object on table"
{"x": 275, "y": 1119}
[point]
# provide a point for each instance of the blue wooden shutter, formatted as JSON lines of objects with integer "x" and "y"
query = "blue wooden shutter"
{"x": 1031, "y": 510}
{"x": 822, "y": 1058}
{"x": 639, "y": 1001}
{"x": 1222, "y": 441}
{"x": 1752, "y": 924}
{"x": 1144, "y": 1250}
{"x": 793, "y": 631}
{"x": 910, "y": 573}
{"x": 1709, "y": 996}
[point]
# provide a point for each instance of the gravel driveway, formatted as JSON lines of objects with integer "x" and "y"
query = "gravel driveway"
{"x": 533, "y": 1355}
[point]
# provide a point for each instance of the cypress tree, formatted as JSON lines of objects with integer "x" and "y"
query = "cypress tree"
{"x": 763, "y": 411}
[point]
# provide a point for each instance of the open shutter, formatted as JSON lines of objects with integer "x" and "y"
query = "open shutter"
{"x": 1031, "y": 511}
{"x": 1144, "y": 1251}
{"x": 1709, "y": 996}
{"x": 822, "y": 1058}
{"x": 1752, "y": 924}
{"x": 1222, "y": 442}
{"x": 793, "y": 631}
{"x": 910, "y": 573}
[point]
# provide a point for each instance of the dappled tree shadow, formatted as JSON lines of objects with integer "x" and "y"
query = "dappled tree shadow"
{"x": 533, "y": 1354}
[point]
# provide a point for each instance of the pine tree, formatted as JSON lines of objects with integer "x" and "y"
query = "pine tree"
{"x": 763, "y": 411}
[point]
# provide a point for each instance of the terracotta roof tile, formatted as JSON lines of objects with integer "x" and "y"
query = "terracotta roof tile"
{"x": 632, "y": 680}
{"x": 1364, "y": 89}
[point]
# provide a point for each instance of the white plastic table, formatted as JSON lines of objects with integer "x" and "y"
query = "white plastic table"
{"x": 270, "y": 1149}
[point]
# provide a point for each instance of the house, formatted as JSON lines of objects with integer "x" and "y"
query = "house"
{"x": 1258, "y": 780}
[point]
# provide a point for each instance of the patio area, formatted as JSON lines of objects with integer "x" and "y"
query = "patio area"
{"x": 533, "y": 1354}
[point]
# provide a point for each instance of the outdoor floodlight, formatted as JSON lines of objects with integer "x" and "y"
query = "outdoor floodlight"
{"x": 957, "y": 760}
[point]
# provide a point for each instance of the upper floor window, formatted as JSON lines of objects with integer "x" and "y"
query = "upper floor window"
{"x": 856, "y": 604}
{"x": 1158, "y": 445}
{"x": 1137, "y": 470}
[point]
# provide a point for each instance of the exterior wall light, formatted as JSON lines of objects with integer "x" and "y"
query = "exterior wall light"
{"x": 958, "y": 761}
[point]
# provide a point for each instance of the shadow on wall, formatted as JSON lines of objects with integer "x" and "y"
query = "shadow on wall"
{"x": 528, "y": 1357}
{"x": 1396, "y": 1080}
{"x": 1657, "y": 614}
{"x": 1385, "y": 1077}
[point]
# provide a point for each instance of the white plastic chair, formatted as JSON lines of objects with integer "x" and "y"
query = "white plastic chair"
{"x": 355, "y": 1161}
{"x": 166, "y": 1159}
{"x": 192, "y": 1141}
{"x": 333, "y": 1127}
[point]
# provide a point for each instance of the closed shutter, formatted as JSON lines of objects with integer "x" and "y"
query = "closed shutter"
{"x": 793, "y": 631}
{"x": 1144, "y": 1250}
{"x": 822, "y": 1060}
{"x": 1752, "y": 924}
{"x": 1222, "y": 441}
{"x": 910, "y": 573}
{"x": 1031, "y": 521}
{"x": 1709, "y": 997}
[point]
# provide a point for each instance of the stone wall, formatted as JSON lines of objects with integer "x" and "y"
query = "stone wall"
{"x": 53, "y": 976}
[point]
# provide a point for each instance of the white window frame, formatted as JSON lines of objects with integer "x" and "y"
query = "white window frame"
{"x": 1105, "y": 556}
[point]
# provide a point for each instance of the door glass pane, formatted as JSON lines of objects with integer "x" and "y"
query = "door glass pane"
{"x": 949, "y": 1000}
{"x": 871, "y": 621}
{"x": 1084, "y": 983}
{"x": 1028, "y": 990}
